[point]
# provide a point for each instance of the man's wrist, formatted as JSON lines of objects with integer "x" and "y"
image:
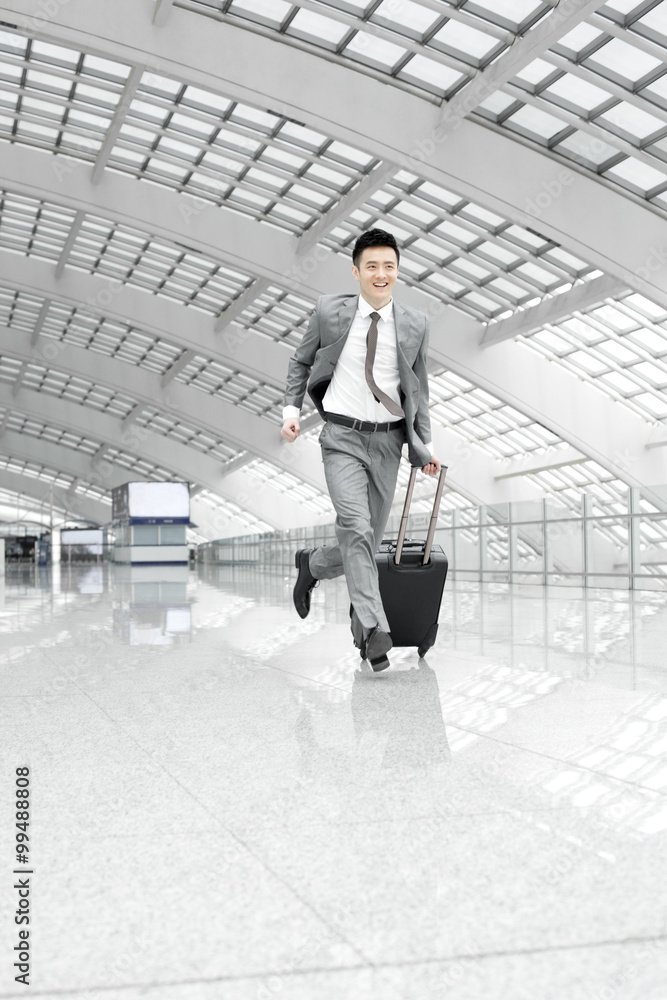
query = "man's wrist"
{"x": 291, "y": 413}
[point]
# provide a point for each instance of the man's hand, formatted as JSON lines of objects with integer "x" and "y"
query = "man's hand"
{"x": 433, "y": 467}
{"x": 291, "y": 429}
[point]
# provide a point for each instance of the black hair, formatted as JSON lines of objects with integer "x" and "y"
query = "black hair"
{"x": 374, "y": 238}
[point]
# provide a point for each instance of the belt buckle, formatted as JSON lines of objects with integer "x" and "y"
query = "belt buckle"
{"x": 355, "y": 421}
{"x": 375, "y": 427}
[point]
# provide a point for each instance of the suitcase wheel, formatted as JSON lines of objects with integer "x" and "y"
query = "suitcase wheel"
{"x": 423, "y": 650}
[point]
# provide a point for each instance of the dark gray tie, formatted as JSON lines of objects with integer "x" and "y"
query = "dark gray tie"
{"x": 371, "y": 347}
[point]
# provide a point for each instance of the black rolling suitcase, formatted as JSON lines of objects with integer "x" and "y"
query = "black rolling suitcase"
{"x": 412, "y": 578}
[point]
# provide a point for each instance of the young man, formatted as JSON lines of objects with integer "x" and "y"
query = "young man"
{"x": 363, "y": 361}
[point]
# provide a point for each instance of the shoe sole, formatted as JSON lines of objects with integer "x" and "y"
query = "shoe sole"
{"x": 380, "y": 664}
{"x": 297, "y": 563}
{"x": 378, "y": 647}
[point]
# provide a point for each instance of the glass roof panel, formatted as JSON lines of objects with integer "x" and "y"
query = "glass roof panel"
{"x": 620, "y": 60}
{"x": 311, "y": 26}
{"x": 375, "y": 51}
{"x": 437, "y": 77}
{"x": 406, "y": 14}
{"x": 637, "y": 176}
{"x": 577, "y": 93}
{"x": 620, "y": 345}
{"x": 463, "y": 41}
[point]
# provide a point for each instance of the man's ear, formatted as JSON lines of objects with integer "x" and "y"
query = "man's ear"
{"x": 355, "y": 272}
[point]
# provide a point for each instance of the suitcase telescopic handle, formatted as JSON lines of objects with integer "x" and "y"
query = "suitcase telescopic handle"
{"x": 434, "y": 515}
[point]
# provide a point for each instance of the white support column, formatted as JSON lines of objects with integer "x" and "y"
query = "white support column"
{"x": 162, "y": 11}
{"x": 279, "y": 509}
{"x": 70, "y": 241}
{"x": 245, "y": 299}
{"x": 527, "y": 465}
{"x": 567, "y": 15}
{"x": 113, "y": 131}
{"x": 18, "y": 381}
{"x": 357, "y": 197}
{"x": 132, "y": 417}
{"x": 39, "y": 322}
{"x": 552, "y": 310}
{"x": 177, "y": 367}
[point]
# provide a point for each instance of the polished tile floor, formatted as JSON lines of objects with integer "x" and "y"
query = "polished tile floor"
{"x": 226, "y": 805}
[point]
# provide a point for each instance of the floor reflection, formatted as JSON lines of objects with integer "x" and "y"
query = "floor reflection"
{"x": 150, "y": 604}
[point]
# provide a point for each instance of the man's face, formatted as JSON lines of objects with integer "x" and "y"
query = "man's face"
{"x": 376, "y": 273}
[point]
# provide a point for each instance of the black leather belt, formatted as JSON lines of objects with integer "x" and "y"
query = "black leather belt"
{"x": 365, "y": 425}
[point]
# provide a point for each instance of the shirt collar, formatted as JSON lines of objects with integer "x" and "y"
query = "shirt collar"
{"x": 365, "y": 309}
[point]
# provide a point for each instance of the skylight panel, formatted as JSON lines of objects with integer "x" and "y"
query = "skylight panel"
{"x": 496, "y": 104}
{"x": 160, "y": 85}
{"x": 536, "y": 123}
{"x": 651, "y": 373}
{"x": 578, "y": 39}
{"x": 657, "y": 406}
{"x": 481, "y": 216}
{"x": 262, "y": 121}
{"x": 455, "y": 234}
{"x": 271, "y": 12}
{"x": 54, "y": 54}
{"x": 13, "y": 44}
{"x": 537, "y": 275}
{"x": 50, "y": 83}
{"x": 653, "y": 24}
{"x": 205, "y": 100}
{"x": 465, "y": 42}
{"x": 434, "y": 76}
{"x": 632, "y": 122}
{"x": 374, "y": 51}
{"x": 105, "y": 68}
{"x": 618, "y": 381}
{"x": 325, "y": 175}
{"x": 316, "y": 28}
{"x": 622, "y": 61}
{"x": 639, "y": 177}
{"x": 613, "y": 317}
{"x": 499, "y": 255}
{"x": 181, "y": 150}
{"x": 535, "y": 72}
{"x": 347, "y": 154}
{"x": 299, "y": 135}
{"x": 619, "y": 352}
{"x": 281, "y": 158}
{"x": 191, "y": 126}
{"x": 96, "y": 96}
{"x": 415, "y": 19}
{"x": 471, "y": 270}
{"x": 50, "y": 135}
{"x": 144, "y": 110}
{"x": 591, "y": 151}
{"x": 439, "y": 195}
{"x": 577, "y": 93}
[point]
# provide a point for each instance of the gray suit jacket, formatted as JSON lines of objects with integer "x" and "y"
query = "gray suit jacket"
{"x": 312, "y": 364}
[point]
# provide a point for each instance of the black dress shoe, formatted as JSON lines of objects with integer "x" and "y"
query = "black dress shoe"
{"x": 305, "y": 582}
{"x": 376, "y": 646}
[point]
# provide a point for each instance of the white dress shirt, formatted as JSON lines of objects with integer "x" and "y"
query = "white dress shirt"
{"x": 348, "y": 392}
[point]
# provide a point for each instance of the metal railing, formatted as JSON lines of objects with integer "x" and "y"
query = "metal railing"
{"x": 539, "y": 542}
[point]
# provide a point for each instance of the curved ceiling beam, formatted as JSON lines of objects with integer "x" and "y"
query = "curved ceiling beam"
{"x": 258, "y": 356}
{"x": 238, "y": 427}
{"x": 585, "y": 419}
{"x": 277, "y": 509}
{"x": 473, "y": 472}
{"x": 614, "y": 232}
{"x": 87, "y": 508}
{"x": 210, "y": 523}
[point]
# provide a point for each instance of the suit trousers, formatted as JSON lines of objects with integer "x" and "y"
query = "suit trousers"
{"x": 361, "y": 468}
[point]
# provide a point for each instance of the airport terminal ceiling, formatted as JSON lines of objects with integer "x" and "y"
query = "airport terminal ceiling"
{"x": 180, "y": 181}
